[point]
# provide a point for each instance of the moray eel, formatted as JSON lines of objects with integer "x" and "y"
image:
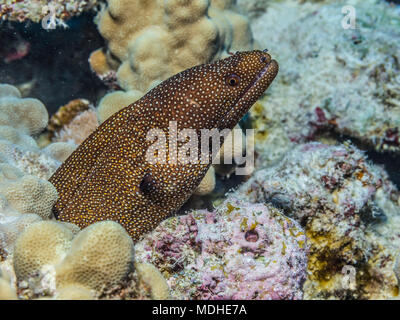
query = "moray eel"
{"x": 108, "y": 176}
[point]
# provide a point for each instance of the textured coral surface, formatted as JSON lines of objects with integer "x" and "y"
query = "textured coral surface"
{"x": 331, "y": 79}
{"x": 350, "y": 211}
{"x": 35, "y": 10}
{"x": 313, "y": 221}
{"x": 240, "y": 251}
{"x": 192, "y": 32}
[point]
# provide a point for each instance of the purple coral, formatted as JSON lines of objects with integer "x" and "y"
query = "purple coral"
{"x": 240, "y": 251}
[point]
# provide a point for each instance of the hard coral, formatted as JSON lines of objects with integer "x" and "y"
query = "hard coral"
{"x": 41, "y": 244}
{"x": 27, "y": 115}
{"x": 100, "y": 256}
{"x": 240, "y": 251}
{"x": 350, "y": 213}
{"x": 25, "y": 195}
{"x": 193, "y": 32}
{"x": 74, "y": 292}
{"x": 53, "y": 258}
{"x": 115, "y": 101}
{"x": 153, "y": 278}
{"x": 30, "y": 195}
{"x": 36, "y": 10}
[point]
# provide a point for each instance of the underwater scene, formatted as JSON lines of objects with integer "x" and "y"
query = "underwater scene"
{"x": 199, "y": 150}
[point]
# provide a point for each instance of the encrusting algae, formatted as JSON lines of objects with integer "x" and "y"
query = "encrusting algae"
{"x": 108, "y": 177}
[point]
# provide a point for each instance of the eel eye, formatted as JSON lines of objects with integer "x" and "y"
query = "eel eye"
{"x": 263, "y": 59}
{"x": 232, "y": 80}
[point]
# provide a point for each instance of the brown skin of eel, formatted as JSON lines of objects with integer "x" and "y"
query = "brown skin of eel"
{"x": 108, "y": 176}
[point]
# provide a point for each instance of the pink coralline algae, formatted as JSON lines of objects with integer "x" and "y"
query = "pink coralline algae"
{"x": 350, "y": 212}
{"x": 239, "y": 251}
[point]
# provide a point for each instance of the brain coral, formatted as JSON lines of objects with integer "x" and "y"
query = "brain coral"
{"x": 350, "y": 212}
{"x": 142, "y": 37}
{"x": 240, "y": 251}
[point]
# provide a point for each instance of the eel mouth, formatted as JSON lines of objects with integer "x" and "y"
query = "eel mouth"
{"x": 266, "y": 75}
{"x": 251, "y": 94}
{"x": 270, "y": 69}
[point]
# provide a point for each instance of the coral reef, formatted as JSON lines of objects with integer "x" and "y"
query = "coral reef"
{"x": 115, "y": 175}
{"x": 253, "y": 8}
{"x": 350, "y": 212}
{"x": 337, "y": 80}
{"x": 139, "y": 50}
{"x": 153, "y": 278}
{"x": 36, "y": 10}
{"x": 314, "y": 221}
{"x": 52, "y": 258}
{"x": 209, "y": 255}
{"x": 26, "y": 195}
{"x": 74, "y": 292}
{"x": 55, "y": 260}
{"x": 206, "y": 185}
{"x": 115, "y": 101}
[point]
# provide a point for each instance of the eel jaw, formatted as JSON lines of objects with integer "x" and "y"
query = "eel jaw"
{"x": 250, "y": 95}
